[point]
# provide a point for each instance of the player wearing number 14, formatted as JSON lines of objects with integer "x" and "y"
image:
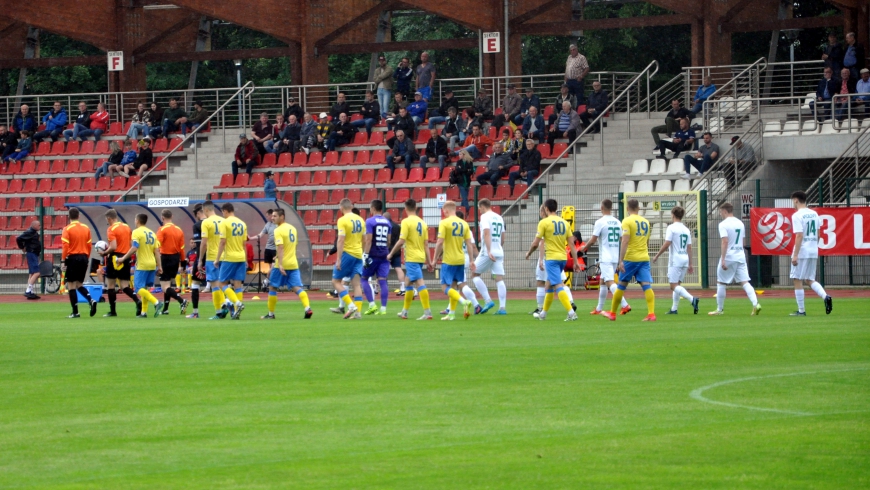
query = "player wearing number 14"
{"x": 805, "y": 256}
{"x": 634, "y": 261}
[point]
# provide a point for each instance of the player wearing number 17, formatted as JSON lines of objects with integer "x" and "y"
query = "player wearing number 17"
{"x": 147, "y": 263}
{"x": 349, "y": 258}
{"x": 232, "y": 258}
{"x": 805, "y": 256}
{"x": 553, "y": 233}
{"x": 634, "y": 261}
{"x": 285, "y": 271}
{"x": 452, "y": 233}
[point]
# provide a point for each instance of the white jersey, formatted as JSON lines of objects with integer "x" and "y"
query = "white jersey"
{"x": 465, "y": 252}
{"x": 733, "y": 229}
{"x": 609, "y": 232}
{"x": 807, "y": 221}
{"x": 680, "y": 238}
{"x": 495, "y": 224}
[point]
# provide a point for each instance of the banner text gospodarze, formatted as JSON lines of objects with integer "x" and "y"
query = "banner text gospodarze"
{"x": 844, "y": 231}
{"x": 162, "y": 202}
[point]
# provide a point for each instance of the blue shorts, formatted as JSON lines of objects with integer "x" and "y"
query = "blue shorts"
{"x": 350, "y": 267}
{"x": 426, "y": 92}
{"x": 380, "y": 267}
{"x": 293, "y": 279}
{"x": 637, "y": 270}
{"x": 233, "y": 271}
{"x": 212, "y": 273}
{"x": 32, "y": 263}
{"x": 452, "y": 273}
{"x": 414, "y": 271}
{"x": 554, "y": 269}
{"x": 144, "y": 279}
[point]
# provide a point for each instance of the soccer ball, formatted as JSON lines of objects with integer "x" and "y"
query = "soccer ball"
{"x": 101, "y": 246}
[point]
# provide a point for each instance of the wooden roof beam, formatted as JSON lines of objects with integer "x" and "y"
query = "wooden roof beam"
{"x": 466, "y": 42}
{"x": 359, "y": 19}
{"x": 783, "y": 24}
{"x": 560, "y": 28}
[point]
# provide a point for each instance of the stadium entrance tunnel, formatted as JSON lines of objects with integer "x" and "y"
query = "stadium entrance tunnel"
{"x": 251, "y": 211}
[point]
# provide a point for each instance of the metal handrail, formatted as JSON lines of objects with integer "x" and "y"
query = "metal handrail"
{"x": 739, "y": 109}
{"x": 249, "y": 87}
{"x": 850, "y": 158}
{"x": 625, "y": 93}
{"x": 760, "y": 63}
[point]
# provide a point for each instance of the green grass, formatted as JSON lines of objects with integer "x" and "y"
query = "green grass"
{"x": 492, "y": 402}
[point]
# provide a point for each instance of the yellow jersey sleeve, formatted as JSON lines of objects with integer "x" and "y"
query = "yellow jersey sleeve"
{"x": 454, "y": 232}
{"x": 554, "y": 231}
{"x": 145, "y": 241}
{"x": 415, "y": 232}
{"x": 637, "y": 228}
{"x": 285, "y": 235}
{"x": 235, "y": 232}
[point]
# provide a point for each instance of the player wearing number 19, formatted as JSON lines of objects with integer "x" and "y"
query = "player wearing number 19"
{"x": 678, "y": 239}
{"x": 285, "y": 271}
{"x": 232, "y": 258}
{"x": 144, "y": 245}
{"x": 553, "y": 233}
{"x": 634, "y": 261}
{"x": 805, "y": 256}
{"x": 349, "y": 258}
{"x": 413, "y": 236}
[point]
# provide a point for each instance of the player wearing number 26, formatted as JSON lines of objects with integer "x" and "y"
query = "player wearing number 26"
{"x": 634, "y": 261}
{"x": 553, "y": 233}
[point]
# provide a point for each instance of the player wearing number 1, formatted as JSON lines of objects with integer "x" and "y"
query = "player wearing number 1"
{"x": 678, "y": 239}
{"x": 148, "y": 264}
{"x": 285, "y": 271}
{"x": 452, "y": 233}
{"x": 349, "y": 258}
{"x": 553, "y": 234}
{"x": 413, "y": 235}
{"x": 232, "y": 258}
{"x": 634, "y": 261}
{"x": 805, "y": 256}
{"x": 732, "y": 265}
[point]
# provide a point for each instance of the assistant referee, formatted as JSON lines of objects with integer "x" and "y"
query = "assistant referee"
{"x": 75, "y": 256}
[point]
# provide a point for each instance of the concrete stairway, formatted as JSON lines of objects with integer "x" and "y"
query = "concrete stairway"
{"x": 198, "y": 172}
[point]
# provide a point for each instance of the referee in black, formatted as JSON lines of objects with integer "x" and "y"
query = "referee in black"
{"x": 76, "y": 256}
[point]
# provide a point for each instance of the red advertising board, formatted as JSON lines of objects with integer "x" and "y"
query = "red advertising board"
{"x": 843, "y": 231}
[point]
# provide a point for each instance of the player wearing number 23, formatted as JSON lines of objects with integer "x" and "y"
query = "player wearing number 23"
{"x": 234, "y": 261}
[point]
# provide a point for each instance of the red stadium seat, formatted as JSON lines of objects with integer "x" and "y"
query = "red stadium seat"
{"x": 160, "y": 146}
{"x": 335, "y": 177}
{"x": 103, "y": 184}
{"x": 72, "y": 148}
{"x": 331, "y": 158}
{"x": 259, "y": 195}
{"x": 44, "y": 186}
{"x": 228, "y": 196}
{"x": 28, "y": 205}
{"x": 314, "y": 237}
{"x": 346, "y": 158}
{"x": 453, "y": 194}
{"x": 479, "y": 170}
{"x": 13, "y": 205}
{"x": 558, "y": 148}
{"x": 361, "y": 138}
{"x": 77, "y": 184}
{"x": 241, "y": 181}
{"x": 387, "y": 194}
{"x": 328, "y": 236}
{"x": 28, "y": 167}
{"x": 355, "y": 195}
{"x": 14, "y": 262}
{"x": 321, "y": 197}
{"x": 309, "y": 217}
{"x": 502, "y": 193}
{"x": 303, "y": 178}
{"x": 243, "y": 195}
{"x": 12, "y": 168}
{"x": 518, "y": 191}
{"x": 58, "y": 186}
{"x": 423, "y": 136}
{"x": 115, "y": 128}
{"x": 257, "y": 179}
{"x": 432, "y": 174}
{"x": 401, "y": 195}
{"x": 433, "y": 234}
{"x": 43, "y": 148}
{"x": 57, "y": 167}
{"x": 269, "y": 160}
{"x": 102, "y": 147}
{"x": 400, "y": 175}
{"x": 383, "y": 176}
{"x": 336, "y": 195}
{"x": 370, "y": 195}
{"x": 29, "y": 186}
{"x": 15, "y": 186}
{"x": 4, "y": 184}
{"x": 285, "y": 160}
{"x": 104, "y": 198}
{"x": 43, "y": 167}
{"x": 87, "y": 165}
{"x": 299, "y": 159}
{"x": 434, "y": 191}
{"x": 319, "y": 178}
{"x": 379, "y": 157}
{"x": 226, "y": 181}
{"x": 367, "y": 176}
{"x": 4, "y": 261}
{"x": 376, "y": 139}
{"x": 119, "y": 184}
{"x": 317, "y": 256}
{"x": 57, "y": 148}
{"x": 362, "y": 157}
{"x": 351, "y": 177}
{"x": 86, "y": 148}
{"x": 14, "y": 223}
{"x": 418, "y": 194}
{"x": 485, "y": 192}
{"x": 287, "y": 179}
{"x": 327, "y": 217}
{"x": 416, "y": 175}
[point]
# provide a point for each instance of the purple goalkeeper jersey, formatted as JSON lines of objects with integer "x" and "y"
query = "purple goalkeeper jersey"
{"x": 379, "y": 228}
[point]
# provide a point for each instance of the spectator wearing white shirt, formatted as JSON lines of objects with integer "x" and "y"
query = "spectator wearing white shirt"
{"x": 863, "y": 90}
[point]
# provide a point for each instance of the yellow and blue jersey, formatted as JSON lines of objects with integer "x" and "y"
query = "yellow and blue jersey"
{"x": 235, "y": 232}
{"x": 145, "y": 241}
{"x": 553, "y": 230}
{"x": 211, "y": 231}
{"x": 352, "y": 228}
{"x": 454, "y": 231}
{"x": 415, "y": 232}
{"x": 637, "y": 228}
{"x": 285, "y": 235}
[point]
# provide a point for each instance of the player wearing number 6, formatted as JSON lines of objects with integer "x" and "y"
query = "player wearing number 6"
{"x": 285, "y": 271}
{"x": 147, "y": 263}
{"x": 232, "y": 259}
{"x": 452, "y": 233}
{"x": 349, "y": 258}
{"x": 805, "y": 256}
{"x": 634, "y": 261}
{"x": 679, "y": 239}
{"x": 553, "y": 233}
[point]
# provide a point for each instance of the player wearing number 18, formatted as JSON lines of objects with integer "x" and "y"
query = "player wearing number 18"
{"x": 285, "y": 271}
{"x": 349, "y": 258}
{"x": 232, "y": 258}
{"x": 148, "y": 263}
{"x": 805, "y": 256}
{"x": 553, "y": 233}
{"x": 634, "y": 261}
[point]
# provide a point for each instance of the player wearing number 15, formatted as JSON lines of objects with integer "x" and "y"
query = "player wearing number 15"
{"x": 349, "y": 258}
{"x": 553, "y": 233}
{"x": 452, "y": 233}
{"x": 285, "y": 271}
{"x": 412, "y": 236}
{"x": 147, "y": 263}
{"x": 231, "y": 258}
{"x": 805, "y": 256}
{"x": 634, "y": 261}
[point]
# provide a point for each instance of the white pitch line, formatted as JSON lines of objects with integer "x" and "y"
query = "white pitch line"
{"x": 697, "y": 394}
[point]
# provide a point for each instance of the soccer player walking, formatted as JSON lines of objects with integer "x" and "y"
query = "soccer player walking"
{"x": 377, "y": 247}
{"x": 491, "y": 257}
{"x": 209, "y": 260}
{"x": 144, "y": 245}
{"x": 413, "y": 235}
{"x": 452, "y": 233}
{"x": 75, "y": 254}
{"x": 349, "y": 258}
{"x": 732, "y": 265}
{"x": 634, "y": 261}
{"x": 232, "y": 259}
{"x": 608, "y": 234}
{"x": 805, "y": 256}
{"x": 171, "y": 240}
{"x": 678, "y": 239}
{"x": 285, "y": 271}
{"x": 553, "y": 233}
{"x": 119, "y": 236}
{"x": 197, "y": 273}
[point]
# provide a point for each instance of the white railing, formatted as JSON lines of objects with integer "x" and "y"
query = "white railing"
{"x": 853, "y": 164}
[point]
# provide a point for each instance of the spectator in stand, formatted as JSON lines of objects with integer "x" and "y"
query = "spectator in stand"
{"x": 704, "y": 158}
{"x": 398, "y": 103}
{"x": 261, "y": 132}
{"x": 825, "y": 90}
{"x": 403, "y": 151}
{"x": 436, "y": 150}
{"x": 291, "y": 136}
{"x": 530, "y": 100}
{"x": 308, "y": 133}
{"x": 197, "y": 117}
{"x": 510, "y": 108}
{"x": 156, "y": 122}
{"x": 342, "y": 133}
{"x": 8, "y": 142}
{"x": 269, "y": 186}
{"x": 323, "y": 130}
{"x": 82, "y": 122}
{"x": 505, "y": 141}
{"x": 439, "y": 115}
{"x": 530, "y": 165}
{"x": 340, "y": 106}
{"x": 566, "y": 125}
{"x": 130, "y": 156}
{"x": 847, "y": 85}
{"x": 563, "y": 96}
{"x": 483, "y": 105}
{"x": 370, "y": 112}
{"x": 55, "y": 123}
{"x": 454, "y": 128}
{"x": 246, "y": 156}
{"x": 29, "y": 243}
{"x": 139, "y": 122}
{"x": 863, "y": 87}
{"x": 277, "y": 129}
{"x": 293, "y": 109}
{"x": 24, "y": 120}
{"x": 473, "y": 117}
{"x": 496, "y": 168}
{"x": 671, "y": 124}
{"x": 419, "y": 108}
{"x": 174, "y": 119}
{"x": 99, "y": 124}
{"x": 383, "y": 80}
{"x": 703, "y": 93}
{"x": 476, "y": 143}
{"x": 533, "y": 126}
{"x": 684, "y": 140}
{"x": 406, "y": 123}
{"x": 576, "y": 69}
{"x": 21, "y": 150}
{"x": 833, "y": 55}
{"x": 425, "y": 76}
{"x": 517, "y": 144}
{"x": 595, "y": 105}
{"x": 114, "y": 160}
{"x": 743, "y": 154}
{"x": 144, "y": 160}
{"x": 403, "y": 76}
{"x": 853, "y": 56}
{"x": 462, "y": 175}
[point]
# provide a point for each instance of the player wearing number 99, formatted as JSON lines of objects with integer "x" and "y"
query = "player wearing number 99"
{"x": 231, "y": 258}
{"x": 147, "y": 263}
{"x": 678, "y": 239}
{"x": 377, "y": 247}
{"x": 805, "y": 256}
{"x": 285, "y": 271}
{"x": 553, "y": 233}
{"x": 634, "y": 261}
{"x": 732, "y": 265}
{"x": 349, "y": 261}
{"x": 608, "y": 234}
{"x": 452, "y": 233}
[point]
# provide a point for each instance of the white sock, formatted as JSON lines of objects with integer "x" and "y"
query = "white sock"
{"x": 402, "y": 287}
{"x": 340, "y": 303}
{"x": 799, "y": 296}
{"x": 819, "y": 290}
{"x": 502, "y": 295}
{"x": 372, "y": 304}
{"x": 482, "y": 289}
{"x": 720, "y": 297}
{"x": 676, "y": 303}
{"x": 469, "y": 295}
{"x": 540, "y": 296}
{"x": 680, "y": 291}
{"x": 622, "y": 303}
{"x": 29, "y": 288}
{"x": 750, "y": 293}
{"x": 570, "y": 296}
{"x": 602, "y": 297}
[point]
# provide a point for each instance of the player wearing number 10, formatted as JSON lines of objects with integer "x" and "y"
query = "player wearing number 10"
{"x": 553, "y": 233}
{"x": 805, "y": 256}
{"x": 349, "y": 258}
{"x": 147, "y": 263}
{"x": 231, "y": 258}
{"x": 634, "y": 261}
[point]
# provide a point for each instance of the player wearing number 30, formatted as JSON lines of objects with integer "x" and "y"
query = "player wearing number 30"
{"x": 805, "y": 256}
{"x": 232, "y": 258}
{"x": 452, "y": 233}
{"x": 553, "y": 233}
{"x": 634, "y": 261}
{"x": 147, "y": 263}
{"x": 732, "y": 265}
{"x": 678, "y": 239}
{"x": 349, "y": 258}
{"x": 285, "y": 271}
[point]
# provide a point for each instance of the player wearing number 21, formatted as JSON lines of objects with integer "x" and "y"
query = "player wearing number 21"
{"x": 553, "y": 233}
{"x": 232, "y": 258}
{"x": 634, "y": 261}
{"x": 147, "y": 263}
{"x": 452, "y": 233}
{"x": 805, "y": 256}
{"x": 349, "y": 258}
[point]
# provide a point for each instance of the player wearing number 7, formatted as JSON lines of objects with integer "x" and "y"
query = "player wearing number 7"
{"x": 232, "y": 258}
{"x": 679, "y": 239}
{"x": 144, "y": 243}
{"x": 634, "y": 261}
{"x": 553, "y": 233}
{"x": 805, "y": 256}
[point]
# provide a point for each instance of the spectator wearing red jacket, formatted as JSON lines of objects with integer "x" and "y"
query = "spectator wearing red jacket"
{"x": 247, "y": 156}
{"x": 99, "y": 124}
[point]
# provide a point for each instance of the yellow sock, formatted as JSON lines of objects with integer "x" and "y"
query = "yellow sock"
{"x": 452, "y": 305}
{"x": 241, "y": 295}
{"x": 409, "y": 297}
{"x": 146, "y": 295}
{"x": 303, "y": 297}
{"x": 231, "y": 295}
{"x": 650, "y": 301}
{"x": 454, "y": 295}
{"x": 358, "y": 305}
{"x": 271, "y": 302}
{"x": 563, "y": 298}
{"x": 424, "y": 297}
{"x": 178, "y": 281}
{"x": 218, "y": 299}
{"x": 548, "y": 301}
{"x": 347, "y": 300}
{"x": 617, "y": 299}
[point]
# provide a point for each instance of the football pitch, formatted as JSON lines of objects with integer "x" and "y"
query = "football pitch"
{"x": 492, "y": 402}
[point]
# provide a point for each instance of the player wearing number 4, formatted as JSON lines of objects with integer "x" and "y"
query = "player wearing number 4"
{"x": 232, "y": 259}
{"x": 678, "y": 239}
{"x": 147, "y": 263}
{"x": 608, "y": 234}
{"x": 349, "y": 258}
{"x": 452, "y": 233}
{"x": 634, "y": 261}
{"x": 285, "y": 271}
{"x": 732, "y": 265}
{"x": 553, "y": 233}
{"x": 413, "y": 235}
{"x": 805, "y": 256}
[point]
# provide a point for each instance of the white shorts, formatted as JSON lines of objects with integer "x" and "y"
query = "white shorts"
{"x": 608, "y": 270}
{"x": 677, "y": 274}
{"x": 805, "y": 270}
{"x": 541, "y": 275}
{"x": 736, "y": 272}
{"x": 483, "y": 265}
